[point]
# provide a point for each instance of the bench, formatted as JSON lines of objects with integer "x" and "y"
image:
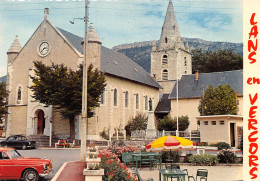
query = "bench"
{"x": 62, "y": 143}
{"x": 127, "y": 157}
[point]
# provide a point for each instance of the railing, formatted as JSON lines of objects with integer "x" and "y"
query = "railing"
{"x": 117, "y": 134}
{"x": 191, "y": 135}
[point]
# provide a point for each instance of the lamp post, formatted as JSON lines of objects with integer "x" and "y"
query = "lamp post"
{"x": 84, "y": 118}
{"x": 177, "y": 92}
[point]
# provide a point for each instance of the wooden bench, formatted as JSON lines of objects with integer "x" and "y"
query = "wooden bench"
{"x": 62, "y": 143}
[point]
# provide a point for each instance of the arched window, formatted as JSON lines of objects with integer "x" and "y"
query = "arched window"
{"x": 185, "y": 61}
{"x": 102, "y": 97}
{"x": 19, "y": 94}
{"x": 185, "y": 72}
{"x": 165, "y": 59}
{"x": 115, "y": 97}
{"x": 146, "y": 103}
{"x": 126, "y": 99}
{"x": 137, "y": 101}
{"x": 165, "y": 74}
{"x": 165, "y": 40}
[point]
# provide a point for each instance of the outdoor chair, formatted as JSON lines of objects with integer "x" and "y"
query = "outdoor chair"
{"x": 202, "y": 174}
{"x": 127, "y": 157}
{"x": 172, "y": 166}
{"x": 135, "y": 172}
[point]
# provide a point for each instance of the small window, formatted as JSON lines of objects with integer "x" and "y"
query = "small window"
{"x": 214, "y": 122}
{"x": 165, "y": 74}
{"x": 126, "y": 99}
{"x": 115, "y": 97}
{"x": 165, "y": 40}
{"x": 165, "y": 59}
{"x": 173, "y": 28}
{"x": 185, "y": 72}
{"x": 206, "y": 123}
{"x": 222, "y": 122}
{"x": 137, "y": 101}
{"x": 146, "y": 103}
{"x": 102, "y": 97}
{"x": 19, "y": 95}
{"x": 185, "y": 61}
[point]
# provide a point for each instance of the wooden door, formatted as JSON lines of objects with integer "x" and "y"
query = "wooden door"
{"x": 40, "y": 126}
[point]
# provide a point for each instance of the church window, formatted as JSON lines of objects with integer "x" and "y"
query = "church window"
{"x": 102, "y": 98}
{"x": 165, "y": 59}
{"x": 115, "y": 97}
{"x": 165, "y": 74}
{"x": 19, "y": 95}
{"x": 126, "y": 99}
{"x": 137, "y": 101}
{"x": 146, "y": 103}
{"x": 185, "y": 61}
{"x": 185, "y": 72}
{"x": 173, "y": 28}
{"x": 165, "y": 40}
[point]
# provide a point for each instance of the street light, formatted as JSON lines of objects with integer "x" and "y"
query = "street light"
{"x": 84, "y": 117}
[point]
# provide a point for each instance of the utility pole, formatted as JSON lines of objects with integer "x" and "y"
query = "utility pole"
{"x": 84, "y": 117}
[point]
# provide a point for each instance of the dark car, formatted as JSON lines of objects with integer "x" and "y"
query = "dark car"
{"x": 18, "y": 141}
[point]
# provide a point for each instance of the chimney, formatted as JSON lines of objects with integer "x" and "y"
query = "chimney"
{"x": 196, "y": 75}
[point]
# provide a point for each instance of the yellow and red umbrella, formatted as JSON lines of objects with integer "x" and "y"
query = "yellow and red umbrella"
{"x": 169, "y": 143}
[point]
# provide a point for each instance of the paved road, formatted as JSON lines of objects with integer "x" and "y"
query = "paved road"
{"x": 58, "y": 157}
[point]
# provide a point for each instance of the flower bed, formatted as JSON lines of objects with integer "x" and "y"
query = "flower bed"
{"x": 114, "y": 170}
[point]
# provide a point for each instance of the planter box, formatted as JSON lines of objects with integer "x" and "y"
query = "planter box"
{"x": 93, "y": 175}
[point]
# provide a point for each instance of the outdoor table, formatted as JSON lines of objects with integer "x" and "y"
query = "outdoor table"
{"x": 171, "y": 172}
{"x": 138, "y": 157}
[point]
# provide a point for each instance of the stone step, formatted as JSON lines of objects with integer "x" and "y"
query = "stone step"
{"x": 42, "y": 140}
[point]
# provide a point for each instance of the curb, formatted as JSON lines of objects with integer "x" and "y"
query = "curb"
{"x": 59, "y": 172}
{"x": 52, "y": 148}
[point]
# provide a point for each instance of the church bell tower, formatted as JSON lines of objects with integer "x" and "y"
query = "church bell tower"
{"x": 170, "y": 59}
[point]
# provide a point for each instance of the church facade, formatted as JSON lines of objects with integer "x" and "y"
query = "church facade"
{"x": 129, "y": 87}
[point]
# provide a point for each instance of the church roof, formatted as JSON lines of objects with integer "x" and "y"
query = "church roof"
{"x": 15, "y": 47}
{"x": 170, "y": 30}
{"x": 191, "y": 88}
{"x": 115, "y": 63}
{"x": 164, "y": 104}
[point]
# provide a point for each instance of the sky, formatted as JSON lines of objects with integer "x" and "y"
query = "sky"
{"x": 121, "y": 21}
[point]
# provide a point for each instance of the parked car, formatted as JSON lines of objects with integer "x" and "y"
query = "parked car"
{"x": 15, "y": 167}
{"x": 18, "y": 141}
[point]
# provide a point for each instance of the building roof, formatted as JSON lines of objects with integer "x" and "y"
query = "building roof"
{"x": 115, "y": 63}
{"x": 164, "y": 104}
{"x": 191, "y": 88}
{"x": 15, "y": 47}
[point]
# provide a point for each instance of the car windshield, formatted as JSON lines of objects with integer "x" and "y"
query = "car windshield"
{"x": 14, "y": 154}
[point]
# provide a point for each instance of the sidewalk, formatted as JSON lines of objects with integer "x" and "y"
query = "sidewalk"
{"x": 71, "y": 171}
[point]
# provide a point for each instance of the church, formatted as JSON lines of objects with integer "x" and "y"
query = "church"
{"x": 129, "y": 87}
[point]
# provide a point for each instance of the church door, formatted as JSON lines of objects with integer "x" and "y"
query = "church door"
{"x": 41, "y": 122}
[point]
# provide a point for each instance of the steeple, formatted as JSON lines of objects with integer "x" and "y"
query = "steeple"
{"x": 14, "y": 49}
{"x": 92, "y": 35}
{"x": 170, "y": 35}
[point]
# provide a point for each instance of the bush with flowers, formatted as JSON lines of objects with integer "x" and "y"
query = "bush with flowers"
{"x": 114, "y": 170}
{"x": 119, "y": 150}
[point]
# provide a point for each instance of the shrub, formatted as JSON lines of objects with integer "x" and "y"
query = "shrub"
{"x": 104, "y": 134}
{"x": 113, "y": 169}
{"x": 169, "y": 124}
{"x": 139, "y": 122}
{"x": 223, "y": 146}
{"x": 171, "y": 155}
{"x": 203, "y": 159}
{"x": 226, "y": 156}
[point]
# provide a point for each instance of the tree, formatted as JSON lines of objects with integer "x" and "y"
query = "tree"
{"x": 221, "y": 60}
{"x": 3, "y": 102}
{"x": 219, "y": 101}
{"x": 169, "y": 124}
{"x": 139, "y": 122}
{"x": 61, "y": 87}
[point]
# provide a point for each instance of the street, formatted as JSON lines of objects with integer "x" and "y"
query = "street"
{"x": 58, "y": 157}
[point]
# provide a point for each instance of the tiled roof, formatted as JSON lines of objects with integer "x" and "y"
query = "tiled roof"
{"x": 115, "y": 63}
{"x": 164, "y": 105}
{"x": 191, "y": 88}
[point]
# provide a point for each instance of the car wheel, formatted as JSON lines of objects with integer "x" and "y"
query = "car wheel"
{"x": 30, "y": 175}
{"x": 24, "y": 147}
